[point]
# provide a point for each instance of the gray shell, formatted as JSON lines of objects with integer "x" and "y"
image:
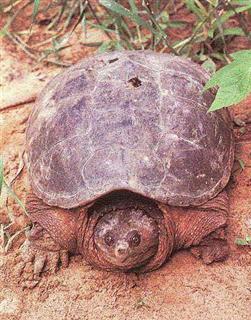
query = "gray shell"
{"x": 133, "y": 120}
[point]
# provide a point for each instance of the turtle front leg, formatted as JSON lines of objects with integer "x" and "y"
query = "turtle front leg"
{"x": 51, "y": 239}
{"x": 213, "y": 248}
{"x": 40, "y": 253}
{"x": 203, "y": 229}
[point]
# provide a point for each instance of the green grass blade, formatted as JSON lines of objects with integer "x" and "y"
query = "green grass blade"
{"x": 233, "y": 32}
{"x": 13, "y": 194}
{"x": 105, "y": 46}
{"x": 35, "y": 9}
{"x": 133, "y": 6}
{"x": 191, "y": 5}
{"x": 231, "y": 13}
{"x": 115, "y": 7}
{"x": 119, "y": 9}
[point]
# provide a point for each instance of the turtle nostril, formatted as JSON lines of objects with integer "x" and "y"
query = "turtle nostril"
{"x": 121, "y": 251}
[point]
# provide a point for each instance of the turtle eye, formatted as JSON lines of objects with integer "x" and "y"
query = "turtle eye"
{"x": 135, "y": 239}
{"x": 109, "y": 239}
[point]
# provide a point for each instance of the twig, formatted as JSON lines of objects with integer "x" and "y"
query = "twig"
{"x": 16, "y": 40}
{"x": 19, "y": 170}
{"x": 57, "y": 63}
{"x": 11, "y": 6}
{"x": 39, "y": 44}
{"x": 16, "y": 14}
{"x": 23, "y": 102}
{"x": 24, "y": 47}
{"x": 12, "y": 238}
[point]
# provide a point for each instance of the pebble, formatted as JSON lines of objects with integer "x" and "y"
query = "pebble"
{"x": 9, "y": 302}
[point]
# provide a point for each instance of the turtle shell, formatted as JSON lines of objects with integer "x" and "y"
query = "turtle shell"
{"x": 130, "y": 120}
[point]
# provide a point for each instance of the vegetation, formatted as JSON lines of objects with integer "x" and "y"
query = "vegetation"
{"x": 6, "y": 237}
{"x": 243, "y": 242}
{"x": 233, "y": 80}
{"x": 134, "y": 25}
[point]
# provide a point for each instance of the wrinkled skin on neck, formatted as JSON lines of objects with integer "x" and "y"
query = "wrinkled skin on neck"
{"x": 125, "y": 234}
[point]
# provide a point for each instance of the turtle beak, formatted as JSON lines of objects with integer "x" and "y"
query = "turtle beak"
{"x": 121, "y": 250}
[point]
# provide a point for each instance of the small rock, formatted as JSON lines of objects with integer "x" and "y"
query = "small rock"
{"x": 9, "y": 302}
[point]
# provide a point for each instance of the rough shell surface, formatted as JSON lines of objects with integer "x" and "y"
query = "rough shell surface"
{"x": 128, "y": 120}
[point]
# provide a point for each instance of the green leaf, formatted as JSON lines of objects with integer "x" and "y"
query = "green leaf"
{"x": 241, "y": 242}
{"x": 240, "y": 2}
{"x": 209, "y": 65}
{"x": 164, "y": 17}
{"x": 244, "y": 242}
{"x": 243, "y": 54}
{"x": 242, "y": 164}
{"x": 233, "y": 80}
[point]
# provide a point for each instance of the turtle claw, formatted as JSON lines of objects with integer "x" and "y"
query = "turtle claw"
{"x": 64, "y": 258}
{"x": 39, "y": 264}
{"x": 212, "y": 251}
{"x": 36, "y": 259}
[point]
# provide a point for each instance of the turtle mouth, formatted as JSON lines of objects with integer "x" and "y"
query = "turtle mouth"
{"x": 122, "y": 261}
{"x": 134, "y": 260}
{"x": 125, "y": 264}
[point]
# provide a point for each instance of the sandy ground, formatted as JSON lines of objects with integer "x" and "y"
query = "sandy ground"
{"x": 183, "y": 289}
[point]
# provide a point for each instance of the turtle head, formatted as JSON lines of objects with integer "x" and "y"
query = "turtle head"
{"x": 126, "y": 238}
{"x": 124, "y": 231}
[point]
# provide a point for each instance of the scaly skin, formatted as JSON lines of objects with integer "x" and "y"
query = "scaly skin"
{"x": 57, "y": 232}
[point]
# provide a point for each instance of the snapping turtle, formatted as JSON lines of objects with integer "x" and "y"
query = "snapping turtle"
{"x": 126, "y": 166}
